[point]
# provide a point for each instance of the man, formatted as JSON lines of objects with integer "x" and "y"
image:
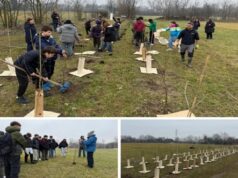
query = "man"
{"x": 81, "y": 146}
{"x": 44, "y": 41}
{"x": 90, "y": 144}
{"x": 69, "y": 34}
{"x": 189, "y": 40}
{"x": 35, "y": 147}
{"x": 139, "y": 28}
{"x": 210, "y": 29}
{"x": 55, "y": 20}
{"x": 52, "y": 146}
{"x": 30, "y": 63}
{"x": 44, "y": 145}
{"x": 12, "y": 160}
{"x": 28, "y": 149}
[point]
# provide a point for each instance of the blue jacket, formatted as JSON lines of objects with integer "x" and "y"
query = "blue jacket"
{"x": 30, "y": 32}
{"x": 91, "y": 143}
{"x": 174, "y": 31}
{"x": 45, "y": 42}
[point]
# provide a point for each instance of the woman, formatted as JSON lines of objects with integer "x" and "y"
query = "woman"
{"x": 30, "y": 32}
{"x": 63, "y": 146}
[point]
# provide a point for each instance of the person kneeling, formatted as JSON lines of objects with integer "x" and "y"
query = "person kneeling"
{"x": 27, "y": 65}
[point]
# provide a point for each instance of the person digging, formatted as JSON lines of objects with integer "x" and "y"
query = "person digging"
{"x": 189, "y": 38}
{"x": 30, "y": 63}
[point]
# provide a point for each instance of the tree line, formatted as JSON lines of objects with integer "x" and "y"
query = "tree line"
{"x": 218, "y": 139}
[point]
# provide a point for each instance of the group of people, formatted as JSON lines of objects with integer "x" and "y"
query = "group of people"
{"x": 103, "y": 33}
{"x": 12, "y": 143}
{"x": 186, "y": 40}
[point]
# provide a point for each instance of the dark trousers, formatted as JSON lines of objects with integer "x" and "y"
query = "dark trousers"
{"x": 50, "y": 66}
{"x": 80, "y": 151}
{"x": 87, "y": 29}
{"x": 152, "y": 37}
{"x": 26, "y": 158}
{"x": 29, "y": 46}
{"x": 12, "y": 166}
{"x": 96, "y": 42}
{"x": 45, "y": 155}
{"x": 139, "y": 37}
{"x": 209, "y": 36}
{"x": 23, "y": 82}
{"x": 90, "y": 159}
{"x": 55, "y": 25}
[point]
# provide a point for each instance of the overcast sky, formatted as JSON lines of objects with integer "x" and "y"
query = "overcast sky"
{"x": 185, "y": 128}
{"x": 106, "y": 130}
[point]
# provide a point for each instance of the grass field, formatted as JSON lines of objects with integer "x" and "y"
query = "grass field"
{"x": 117, "y": 88}
{"x": 223, "y": 168}
{"x": 59, "y": 167}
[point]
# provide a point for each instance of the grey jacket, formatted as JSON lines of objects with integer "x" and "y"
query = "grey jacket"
{"x": 69, "y": 33}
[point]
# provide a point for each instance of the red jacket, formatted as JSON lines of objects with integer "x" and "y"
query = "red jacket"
{"x": 139, "y": 26}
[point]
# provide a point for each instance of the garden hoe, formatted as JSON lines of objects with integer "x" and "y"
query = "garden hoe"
{"x": 63, "y": 87}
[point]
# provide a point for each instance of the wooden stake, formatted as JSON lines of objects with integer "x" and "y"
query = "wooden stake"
{"x": 39, "y": 103}
{"x": 144, "y": 54}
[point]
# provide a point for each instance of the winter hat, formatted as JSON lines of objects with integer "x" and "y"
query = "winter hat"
{"x": 68, "y": 22}
{"x": 90, "y": 133}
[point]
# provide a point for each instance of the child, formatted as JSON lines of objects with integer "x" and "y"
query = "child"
{"x": 90, "y": 144}
{"x": 88, "y": 26}
{"x": 96, "y": 34}
{"x": 109, "y": 37}
{"x": 117, "y": 26}
{"x": 35, "y": 147}
{"x": 63, "y": 146}
{"x": 29, "y": 149}
{"x": 30, "y": 32}
{"x": 44, "y": 147}
{"x": 152, "y": 28}
{"x": 174, "y": 32}
{"x": 55, "y": 20}
{"x": 139, "y": 28}
{"x": 30, "y": 63}
{"x": 189, "y": 39}
{"x": 69, "y": 34}
{"x": 81, "y": 146}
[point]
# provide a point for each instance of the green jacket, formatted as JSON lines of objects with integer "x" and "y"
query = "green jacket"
{"x": 19, "y": 142}
{"x": 152, "y": 27}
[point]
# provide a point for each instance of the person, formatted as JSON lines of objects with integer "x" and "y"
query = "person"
{"x": 81, "y": 146}
{"x": 117, "y": 26}
{"x": 2, "y": 158}
{"x": 52, "y": 146}
{"x": 48, "y": 40}
{"x": 96, "y": 34}
{"x": 90, "y": 144}
{"x": 55, "y": 20}
{"x": 30, "y": 63}
{"x": 88, "y": 26}
{"x": 109, "y": 37}
{"x": 28, "y": 149}
{"x": 189, "y": 39}
{"x": 44, "y": 147}
{"x": 139, "y": 28}
{"x": 174, "y": 32}
{"x": 36, "y": 148}
{"x": 69, "y": 34}
{"x": 196, "y": 24}
{"x": 152, "y": 26}
{"x": 12, "y": 160}
{"x": 30, "y": 32}
{"x": 40, "y": 148}
{"x": 210, "y": 29}
{"x": 63, "y": 146}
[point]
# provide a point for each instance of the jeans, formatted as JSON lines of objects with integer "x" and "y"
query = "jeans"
{"x": 68, "y": 47}
{"x": 172, "y": 39}
{"x": 51, "y": 153}
{"x": 108, "y": 46}
{"x": 12, "y": 166}
{"x": 90, "y": 159}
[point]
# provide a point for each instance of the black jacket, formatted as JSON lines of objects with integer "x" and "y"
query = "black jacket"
{"x": 30, "y": 63}
{"x": 30, "y": 32}
{"x": 44, "y": 144}
{"x": 53, "y": 144}
{"x": 210, "y": 27}
{"x": 35, "y": 144}
{"x": 29, "y": 142}
{"x": 188, "y": 36}
{"x": 109, "y": 34}
{"x": 196, "y": 25}
{"x": 63, "y": 144}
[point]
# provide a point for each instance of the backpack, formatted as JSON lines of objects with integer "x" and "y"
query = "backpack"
{"x": 5, "y": 144}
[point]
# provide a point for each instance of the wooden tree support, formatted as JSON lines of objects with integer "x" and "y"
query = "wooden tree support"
{"x": 81, "y": 71}
{"x": 11, "y": 70}
{"x": 178, "y": 114}
{"x": 148, "y": 69}
{"x": 39, "y": 107}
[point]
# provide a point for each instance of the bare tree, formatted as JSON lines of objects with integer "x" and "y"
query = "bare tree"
{"x": 127, "y": 7}
{"x": 78, "y": 9}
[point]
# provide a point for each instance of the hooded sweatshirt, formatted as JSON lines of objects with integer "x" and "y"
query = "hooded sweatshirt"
{"x": 139, "y": 26}
{"x": 69, "y": 33}
{"x": 91, "y": 143}
{"x": 19, "y": 142}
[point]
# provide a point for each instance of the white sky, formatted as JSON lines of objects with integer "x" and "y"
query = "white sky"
{"x": 185, "y": 128}
{"x": 105, "y": 130}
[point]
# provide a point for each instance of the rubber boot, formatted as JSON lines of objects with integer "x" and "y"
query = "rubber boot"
{"x": 182, "y": 58}
{"x": 31, "y": 157}
{"x": 26, "y": 158}
{"x": 190, "y": 62}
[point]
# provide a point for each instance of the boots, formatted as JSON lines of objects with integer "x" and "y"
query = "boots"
{"x": 26, "y": 158}
{"x": 190, "y": 62}
{"x": 182, "y": 58}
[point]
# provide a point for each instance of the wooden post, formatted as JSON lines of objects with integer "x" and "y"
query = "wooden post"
{"x": 39, "y": 103}
{"x": 144, "y": 51}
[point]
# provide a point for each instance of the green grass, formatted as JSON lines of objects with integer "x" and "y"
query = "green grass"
{"x": 117, "y": 88}
{"x": 223, "y": 168}
{"x": 59, "y": 167}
